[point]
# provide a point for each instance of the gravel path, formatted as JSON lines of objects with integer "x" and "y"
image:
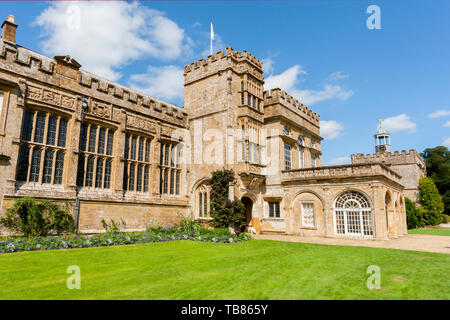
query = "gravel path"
{"x": 416, "y": 242}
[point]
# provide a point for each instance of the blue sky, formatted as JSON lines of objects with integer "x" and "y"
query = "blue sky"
{"x": 319, "y": 51}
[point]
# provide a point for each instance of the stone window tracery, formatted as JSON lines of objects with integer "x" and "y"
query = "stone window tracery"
{"x": 95, "y": 158}
{"x": 170, "y": 168}
{"x": 42, "y": 147}
{"x": 137, "y": 163}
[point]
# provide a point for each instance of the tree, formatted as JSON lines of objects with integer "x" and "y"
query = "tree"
{"x": 225, "y": 213}
{"x": 431, "y": 202}
{"x": 414, "y": 216}
{"x": 437, "y": 162}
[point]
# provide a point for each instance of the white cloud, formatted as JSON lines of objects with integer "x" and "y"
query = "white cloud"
{"x": 289, "y": 79}
{"x": 104, "y": 36}
{"x": 338, "y": 161}
{"x": 439, "y": 113}
{"x": 446, "y": 142}
{"x": 402, "y": 122}
{"x": 447, "y": 124}
{"x": 267, "y": 65}
{"x": 285, "y": 80}
{"x": 330, "y": 129}
{"x": 337, "y": 76}
{"x": 310, "y": 97}
{"x": 163, "y": 82}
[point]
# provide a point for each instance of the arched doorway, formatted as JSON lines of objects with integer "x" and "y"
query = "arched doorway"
{"x": 248, "y": 203}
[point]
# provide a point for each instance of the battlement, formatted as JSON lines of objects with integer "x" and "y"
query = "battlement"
{"x": 395, "y": 157}
{"x": 278, "y": 95}
{"x": 19, "y": 58}
{"x": 228, "y": 52}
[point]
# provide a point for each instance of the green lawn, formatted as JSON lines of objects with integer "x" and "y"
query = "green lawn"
{"x": 432, "y": 231}
{"x": 255, "y": 269}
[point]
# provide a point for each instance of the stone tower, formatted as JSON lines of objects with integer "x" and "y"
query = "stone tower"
{"x": 382, "y": 139}
{"x": 224, "y": 100}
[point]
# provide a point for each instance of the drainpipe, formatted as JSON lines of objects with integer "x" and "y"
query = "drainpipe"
{"x": 76, "y": 209}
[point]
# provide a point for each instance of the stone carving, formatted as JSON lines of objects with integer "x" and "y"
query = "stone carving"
{"x": 100, "y": 110}
{"x": 141, "y": 124}
{"x": 50, "y": 97}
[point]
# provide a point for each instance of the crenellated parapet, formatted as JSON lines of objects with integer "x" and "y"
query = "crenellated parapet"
{"x": 394, "y": 158}
{"x": 277, "y": 95}
{"x": 240, "y": 62}
{"x": 65, "y": 73}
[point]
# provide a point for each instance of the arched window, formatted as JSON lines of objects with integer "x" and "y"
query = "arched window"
{"x": 202, "y": 201}
{"x": 353, "y": 215}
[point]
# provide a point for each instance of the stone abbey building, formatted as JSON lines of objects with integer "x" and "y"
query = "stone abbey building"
{"x": 110, "y": 152}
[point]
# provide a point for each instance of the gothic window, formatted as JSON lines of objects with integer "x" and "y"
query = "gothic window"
{"x": 308, "y": 214}
{"x": 353, "y": 215}
{"x": 287, "y": 157}
{"x": 202, "y": 206}
{"x": 48, "y": 144}
{"x": 136, "y": 168}
{"x": 274, "y": 209}
{"x": 95, "y": 158}
{"x": 170, "y": 168}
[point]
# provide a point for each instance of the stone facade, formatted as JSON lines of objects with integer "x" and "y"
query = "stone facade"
{"x": 113, "y": 153}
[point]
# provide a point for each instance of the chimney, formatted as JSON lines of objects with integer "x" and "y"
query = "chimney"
{"x": 9, "y": 30}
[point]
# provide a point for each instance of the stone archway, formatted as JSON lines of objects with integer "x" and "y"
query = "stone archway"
{"x": 248, "y": 203}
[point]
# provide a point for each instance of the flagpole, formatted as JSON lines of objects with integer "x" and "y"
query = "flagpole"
{"x": 210, "y": 38}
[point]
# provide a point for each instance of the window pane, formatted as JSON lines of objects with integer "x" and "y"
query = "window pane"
{"x": 166, "y": 180}
{"x": 127, "y": 146}
{"x": 89, "y": 171}
{"x": 62, "y": 132}
{"x": 99, "y": 173}
{"x": 161, "y": 154}
{"x": 83, "y": 137}
{"x": 146, "y": 172}
{"x": 141, "y": 149}
{"x": 139, "y": 178}
{"x": 166, "y": 155}
{"x": 101, "y": 141}
{"x": 147, "y": 150}
{"x": 80, "y": 170}
{"x": 133, "y": 148}
{"x": 200, "y": 203}
{"x": 308, "y": 214}
{"x": 109, "y": 148}
{"x": 177, "y": 186}
{"x": 27, "y": 125}
{"x": 107, "y": 174}
{"x": 48, "y": 166}
{"x": 92, "y": 138}
{"x": 35, "y": 164}
{"x": 125, "y": 176}
{"x": 22, "y": 170}
{"x": 132, "y": 172}
{"x": 40, "y": 127}
{"x": 51, "y": 131}
{"x": 172, "y": 184}
{"x": 59, "y": 167}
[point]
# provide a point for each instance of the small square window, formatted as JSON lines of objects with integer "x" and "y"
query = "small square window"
{"x": 274, "y": 209}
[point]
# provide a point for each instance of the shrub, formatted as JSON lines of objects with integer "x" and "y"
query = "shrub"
{"x": 225, "y": 213}
{"x": 431, "y": 201}
{"x": 446, "y": 218}
{"x": 113, "y": 227}
{"x": 414, "y": 218}
{"x": 189, "y": 226}
{"x": 33, "y": 218}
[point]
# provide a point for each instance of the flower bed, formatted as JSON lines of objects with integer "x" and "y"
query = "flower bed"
{"x": 113, "y": 239}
